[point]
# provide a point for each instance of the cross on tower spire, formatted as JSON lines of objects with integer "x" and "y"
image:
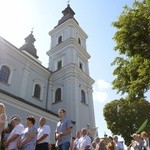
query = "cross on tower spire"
{"x": 32, "y": 30}
{"x": 68, "y": 2}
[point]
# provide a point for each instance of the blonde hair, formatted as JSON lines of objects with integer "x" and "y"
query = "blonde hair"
{"x": 144, "y": 133}
{"x": 3, "y": 110}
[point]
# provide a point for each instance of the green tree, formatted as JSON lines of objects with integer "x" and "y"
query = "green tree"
{"x": 133, "y": 43}
{"x": 124, "y": 117}
{"x": 132, "y": 72}
{"x": 133, "y": 76}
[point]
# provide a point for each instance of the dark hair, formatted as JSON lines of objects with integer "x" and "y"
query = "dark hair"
{"x": 62, "y": 109}
{"x": 16, "y": 118}
{"x": 32, "y": 119}
{"x": 110, "y": 137}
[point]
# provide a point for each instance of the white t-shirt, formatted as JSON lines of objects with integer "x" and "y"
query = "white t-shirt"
{"x": 75, "y": 143}
{"x": 44, "y": 130}
{"x": 18, "y": 129}
{"x": 83, "y": 142}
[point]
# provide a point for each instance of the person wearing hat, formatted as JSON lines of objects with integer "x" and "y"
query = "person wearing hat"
{"x": 137, "y": 142}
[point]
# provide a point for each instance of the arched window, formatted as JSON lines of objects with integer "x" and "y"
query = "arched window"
{"x": 83, "y": 98}
{"x": 58, "y": 95}
{"x": 37, "y": 91}
{"x": 81, "y": 66}
{"x": 4, "y": 74}
{"x": 79, "y": 41}
{"x": 59, "y": 65}
{"x": 60, "y": 39}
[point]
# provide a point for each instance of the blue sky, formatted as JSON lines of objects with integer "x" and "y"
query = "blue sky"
{"x": 18, "y": 17}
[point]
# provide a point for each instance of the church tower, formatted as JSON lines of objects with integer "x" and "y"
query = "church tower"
{"x": 70, "y": 81}
{"x": 29, "y": 46}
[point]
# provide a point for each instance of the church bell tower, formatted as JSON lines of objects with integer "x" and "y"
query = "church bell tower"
{"x": 70, "y": 81}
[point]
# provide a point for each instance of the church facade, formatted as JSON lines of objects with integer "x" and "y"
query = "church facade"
{"x": 28, "y": 88}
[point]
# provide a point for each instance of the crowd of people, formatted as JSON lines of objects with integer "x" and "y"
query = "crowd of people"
{"x": 28, "y": 137}
{"x": 140, "y": 141}
{"x": 23, "y": 137}
{"x": 84, "y": 142}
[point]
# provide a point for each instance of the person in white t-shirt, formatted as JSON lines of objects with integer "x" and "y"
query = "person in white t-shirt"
{"x": 84, "y": 141}
{"x": 75, "y": 143}
{"x": 43, "y": 136}
{"x": 11, "y": 142}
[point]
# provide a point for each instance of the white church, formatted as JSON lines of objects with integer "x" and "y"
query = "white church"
{"x": 28, "y": 88}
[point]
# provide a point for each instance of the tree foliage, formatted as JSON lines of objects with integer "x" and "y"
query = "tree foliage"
{"x": 133, "y": 76}
{"x": 133, "y": 35}
{"x": 133, "y": 42}
{"x": 132, "y": 72}
{"x": 124, "y": 117}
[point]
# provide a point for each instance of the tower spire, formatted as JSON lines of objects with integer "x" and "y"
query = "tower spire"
{"x": 68, "y": 2}
{"x": 68, "y": 13}
{"x": 32, "y": 30}
{"x": 29, "y": 45}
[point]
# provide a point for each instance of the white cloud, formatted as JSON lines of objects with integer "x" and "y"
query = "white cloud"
{"x": 102, "y": 84}
{"x": 100, "y": 96}
{"x": 100, "y": 91}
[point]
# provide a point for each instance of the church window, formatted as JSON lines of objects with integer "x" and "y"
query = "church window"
{"x": 37, "y": 91}
{"x": 4, "y": 74}
{"x": 79, "y": 41}
{"x": 60, "y": 39}
{"x": 59, "y": 65}
{"x": 83, "y": 97}
{"x": 81, "y": 66}
{"x": 58, "y": 95}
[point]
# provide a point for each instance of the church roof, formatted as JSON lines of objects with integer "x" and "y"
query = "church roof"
{"x": 29, "y": 45}
{"x": 68, "y": 13}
